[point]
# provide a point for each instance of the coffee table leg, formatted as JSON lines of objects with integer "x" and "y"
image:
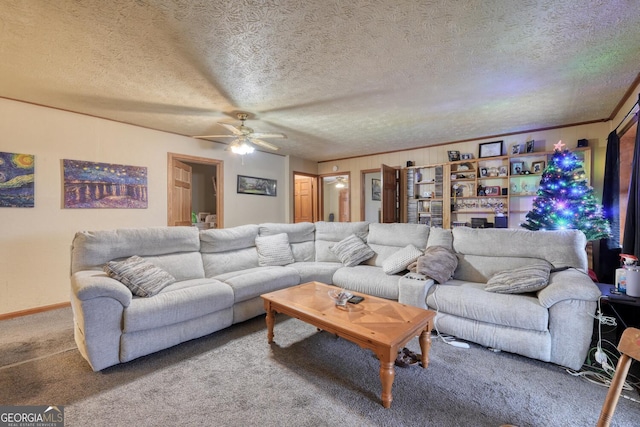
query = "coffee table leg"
{"x": 271, "y": 320}
{"x": 387, "y": 375}
{"x": 425, "y": 346}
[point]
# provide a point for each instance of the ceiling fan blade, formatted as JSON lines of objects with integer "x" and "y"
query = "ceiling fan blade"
{"x": 264, "y": 144}
{"x": 214, "y": 136}
{"x": 231, "y": 128}
{"x": 268, "y": 135}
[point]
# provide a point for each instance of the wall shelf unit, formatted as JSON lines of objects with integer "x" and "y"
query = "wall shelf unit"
{"x": 474, "y": 190}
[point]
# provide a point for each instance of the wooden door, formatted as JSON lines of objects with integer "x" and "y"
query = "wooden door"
{"x": 344, "y": 212}
{"x": 181, "y": 202}
{"x": 303, "y": 199}
{"x": 390, "y": 201}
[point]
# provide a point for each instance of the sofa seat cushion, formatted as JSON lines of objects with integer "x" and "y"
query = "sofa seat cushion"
{"x": 178, "y": 302}
{"x": 368, "y": 280}
{"x": 253, "y": 282}
{"x": 469, "y": 300}
{"x": 316, "y": 271}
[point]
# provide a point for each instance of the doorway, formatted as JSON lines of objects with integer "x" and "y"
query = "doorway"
{"x": 305, "y": 197}
{"x": 371, "y": 196}
{"x": 336, "y": 198}
{"x": 195, "y": 185}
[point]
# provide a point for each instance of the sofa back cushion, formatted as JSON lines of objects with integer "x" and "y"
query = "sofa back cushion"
{"x": 330, "y": 233}
{"x": 387, "y": 239}
{"x": 483, "y": 252}
{"x": 174, "y": 249}
{"x": 301, "y": 238}
{"x": 229, "y": 249}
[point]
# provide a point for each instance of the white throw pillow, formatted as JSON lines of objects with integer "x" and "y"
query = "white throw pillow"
{"x": 139, "y": 275}
{"x": 352, "y": 251}
{"x": 274, "y": 250}
{"x": 400, "y": 260}
{"x": 530, "y": 278}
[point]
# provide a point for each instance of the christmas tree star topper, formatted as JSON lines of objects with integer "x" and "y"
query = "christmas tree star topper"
{"x": 558, "y": 146}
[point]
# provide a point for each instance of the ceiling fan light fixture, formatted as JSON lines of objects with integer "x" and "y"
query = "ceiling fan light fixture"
{"x": 241, "y": 147}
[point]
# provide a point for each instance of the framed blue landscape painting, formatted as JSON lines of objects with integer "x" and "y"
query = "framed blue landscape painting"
{"x": 16, "y": 180}
{"x": 104, "y": 185}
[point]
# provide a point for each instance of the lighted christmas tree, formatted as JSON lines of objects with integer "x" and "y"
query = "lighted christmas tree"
{"x": 564, "y": 199}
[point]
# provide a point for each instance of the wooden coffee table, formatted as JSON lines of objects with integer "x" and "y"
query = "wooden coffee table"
{"x": 381, "y": 325}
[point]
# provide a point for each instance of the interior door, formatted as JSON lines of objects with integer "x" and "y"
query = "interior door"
{"x": 344, "y": 212}
{"x": 181, "y": 203}
{"x": 390, "y": 199}
{"x": 303, "y": 203}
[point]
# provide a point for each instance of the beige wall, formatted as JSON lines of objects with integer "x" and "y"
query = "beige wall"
{"x": 35, "y": 242}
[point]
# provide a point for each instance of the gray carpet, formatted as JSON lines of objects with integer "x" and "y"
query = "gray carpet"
{"x": 310, "y": 378}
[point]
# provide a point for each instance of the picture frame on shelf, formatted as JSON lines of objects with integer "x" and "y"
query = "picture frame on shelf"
{"x": 466, "y": 156}
{"x": 517, "y": 168}
{"x": 515, "y": 149}
{"x": 454, "y": 155}
{"x": 484, "y": 172}
{"x": 528, "y": 147}
{"x": 490, "y": 149}
{"x": 493, "y": 190}
{"x": 537, "y": 167}
{"x": 503, "y": 171}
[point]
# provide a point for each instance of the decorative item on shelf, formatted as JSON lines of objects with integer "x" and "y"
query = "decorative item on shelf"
{"x": 515, "y": 149}
{"x": 464, "y": 167}
{"x": 478, "y": 222}
{"x": 493, "y": 171}
{"x": 484, "y": 172}
{"x": 583, "y": 143}
{"x": 528, "y": 146}
{"x": 466, "y": 156}
{"x": 493, "y": 190}
{"x": 480, "y": 191}
{"x": 537, "y": 167}
{"x": 514, "y": 188}
{"x": 565, "y": 201}
{"x": 516, "y": 168}
{"x": 503, "y": 171}
{"x": 409, "y": 163}
{"x": 454, "y": 155}
{"x": 490, "y": 149}
{"x": 499, "y": 209}
{"x": 501, "y": 221}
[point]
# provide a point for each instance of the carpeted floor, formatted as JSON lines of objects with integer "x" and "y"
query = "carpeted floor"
{"x": 310, "y": 378}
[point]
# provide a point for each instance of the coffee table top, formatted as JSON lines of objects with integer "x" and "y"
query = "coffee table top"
{"x": 378, "y": 320}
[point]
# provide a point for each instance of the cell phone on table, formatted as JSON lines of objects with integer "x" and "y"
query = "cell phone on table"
{"x": 355, "y": 299}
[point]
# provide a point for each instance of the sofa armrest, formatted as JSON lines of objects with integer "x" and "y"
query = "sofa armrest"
{"x": 570, "y": 284}
{"x": 413, "y": 288}
{"x": 90, "y": 284}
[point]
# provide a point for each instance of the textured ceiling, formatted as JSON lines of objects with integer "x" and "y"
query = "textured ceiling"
{"x": 340, "y": 77}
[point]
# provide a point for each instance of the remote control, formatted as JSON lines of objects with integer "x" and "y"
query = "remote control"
{"x": 355, "y": 299}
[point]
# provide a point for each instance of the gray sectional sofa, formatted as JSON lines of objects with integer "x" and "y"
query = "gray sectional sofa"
{"x": 219, "y": 279}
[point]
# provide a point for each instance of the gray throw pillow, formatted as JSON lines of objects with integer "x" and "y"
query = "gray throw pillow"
{"x": 530, "y": 278}
{"x": 274, "y": 250}
{"x": 139, "y": 275}
{"x": 400, "y": 260}
{"x": 438, "y": 262}
{"x": 352, "y": 251}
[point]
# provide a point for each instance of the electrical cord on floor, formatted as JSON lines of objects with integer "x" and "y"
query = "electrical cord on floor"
{"x": 607, "y": 359}
{"x": 449, "y": 339}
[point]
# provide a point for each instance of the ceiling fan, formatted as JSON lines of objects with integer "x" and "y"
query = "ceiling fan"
{"x": 245, "y": 137}
{"x": 340, "y": 182}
